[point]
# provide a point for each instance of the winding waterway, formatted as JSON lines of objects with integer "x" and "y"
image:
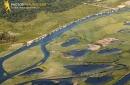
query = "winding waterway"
{"x": 43, "y": 42}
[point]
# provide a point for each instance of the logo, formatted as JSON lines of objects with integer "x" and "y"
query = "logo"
{"x": 24, "y": 5}
{"x": 7, "y": 6}
{"x": 27, "y": 5}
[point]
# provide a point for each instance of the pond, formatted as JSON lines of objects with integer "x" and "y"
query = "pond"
{"x": 78, "y": 69}
{"x": 127, "y": 23}
{"x": 78, "y": 53}
{"x": 124, "y": 80}
{"x": 50, "y": 82}
{"x": 98, "y": 81}
{"x": 110, "y": 51}
{"x": 70, "y": 42}
{"x": 124, "y": 31}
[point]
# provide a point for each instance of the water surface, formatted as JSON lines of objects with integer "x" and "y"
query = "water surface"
{"x": 124, "y": 80}
{"x": 98, "y": 81}
{"x": 70, "y": 42}
{"x": 127, "y": 23}
{"x": 124, "y": 31}
{"x": 78, "y": 69}
{"x": 50, "y": 82}
{"x": 110, "y": 51}
{"x": 78, "y": 53}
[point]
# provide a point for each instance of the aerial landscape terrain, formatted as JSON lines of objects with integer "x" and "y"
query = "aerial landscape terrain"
{"x": 64, "y": 42}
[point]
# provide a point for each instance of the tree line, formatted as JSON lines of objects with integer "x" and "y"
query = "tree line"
{"x": 53, "y": 6}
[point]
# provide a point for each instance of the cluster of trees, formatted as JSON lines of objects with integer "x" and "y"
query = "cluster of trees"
{"x": 19, "y": 15}
{"x": 53, "y": 6}
{"x": 56, "y": 6}
{"x": 62, "y": 5}
{"x": 5, "y": 38}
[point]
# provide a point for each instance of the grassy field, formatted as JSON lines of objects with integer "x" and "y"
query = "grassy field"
{"x": 111, "y": 3}
{"x": 87, "y": 32}
{"x": 4, "y": 47}
{"x": 53, "y": 68}
{"x": 47, "y": 23}
{"x": 23, "y": 59}
{"x": 9, "y": 48}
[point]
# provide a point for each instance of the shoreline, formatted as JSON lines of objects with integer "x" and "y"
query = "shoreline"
{"x": 62, "y": 27}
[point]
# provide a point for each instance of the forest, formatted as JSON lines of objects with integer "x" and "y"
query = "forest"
{"x": 25, "y": 15}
